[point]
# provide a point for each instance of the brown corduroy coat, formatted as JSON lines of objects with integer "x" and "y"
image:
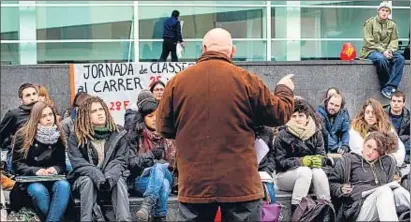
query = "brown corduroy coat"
{"x": 211, "y": 110}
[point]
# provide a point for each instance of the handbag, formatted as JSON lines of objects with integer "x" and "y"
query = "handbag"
{"x": 270, "y": 212}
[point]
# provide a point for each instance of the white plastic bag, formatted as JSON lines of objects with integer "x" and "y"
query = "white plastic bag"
{"x": 179, "y": 50}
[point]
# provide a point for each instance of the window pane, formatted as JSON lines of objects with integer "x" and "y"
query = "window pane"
{"x": 84, "y": 52}
{"x": 246, "y": 51}
{"x": 334, "y": 22}
{"x": 84, "y": 2}
{"x": 10, "y": 53}
{"x": 401, "y": 3}
{"x": 203, "y": 3}
{"x": 279, "y": 22}
{"x": 374, "y": 3}
{"x": 240, "y": 22}
{"x": 279, "y": 50}
{"x": 402, "y": 18}
{"x": 106, "y": 22}
{"x": 325, "y": 49}
{"x": 9, "y": 23}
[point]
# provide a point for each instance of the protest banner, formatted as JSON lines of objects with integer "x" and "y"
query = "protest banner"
{"x": 118, "y": 84}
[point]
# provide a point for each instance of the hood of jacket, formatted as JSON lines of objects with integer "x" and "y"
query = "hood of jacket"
{"x": 213, "y": 55}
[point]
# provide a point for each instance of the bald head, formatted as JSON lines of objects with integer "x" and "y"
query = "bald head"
{"x": 219, "y": 40}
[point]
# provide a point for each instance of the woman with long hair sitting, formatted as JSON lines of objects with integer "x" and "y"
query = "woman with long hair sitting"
{"x": 363, "y": 183}
{"x": 372, "y": 118}
{"x": 39, "y": 150}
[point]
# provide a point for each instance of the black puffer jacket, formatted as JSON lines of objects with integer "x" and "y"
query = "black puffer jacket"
{"x": 13, "y": 120}
{"x": 267, "y": 164}
{"x": 361, "y": 176}
{"x": 84, "y": 159}
{"x": 404, "y": 130}
{"x": 39, "y": 156}
{"x": 289, "y": 149}
{"x": 131, "y": 119}
{"x": 137, "y": 162}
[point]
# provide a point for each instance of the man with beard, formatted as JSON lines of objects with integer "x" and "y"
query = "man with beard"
{"x": 16, "y": 118}
{"x": 400, "y": 119}
{"x": 336, "y": 122}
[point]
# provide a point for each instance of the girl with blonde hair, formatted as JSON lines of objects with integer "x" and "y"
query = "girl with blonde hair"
{"x": 372, "y": 118}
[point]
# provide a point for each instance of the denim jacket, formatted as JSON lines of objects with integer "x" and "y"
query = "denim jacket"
{"x": 338, "y": 131}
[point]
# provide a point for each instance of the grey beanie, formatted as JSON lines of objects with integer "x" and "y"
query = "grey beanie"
{"x": 384, "y": 4}
{"x": 144, "y": 95}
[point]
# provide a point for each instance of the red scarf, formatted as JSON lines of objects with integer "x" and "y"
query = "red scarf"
{"x": 152, "y": 140}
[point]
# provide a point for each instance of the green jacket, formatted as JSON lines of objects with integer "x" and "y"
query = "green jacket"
{"x": 379, "y": 35}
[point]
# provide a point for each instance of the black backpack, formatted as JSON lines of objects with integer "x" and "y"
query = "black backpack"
{"x": 310, "y": 210}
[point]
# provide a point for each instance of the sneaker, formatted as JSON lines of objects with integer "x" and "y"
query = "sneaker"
{"x": 144, "y": 213}
{"x": 387, "y": 93}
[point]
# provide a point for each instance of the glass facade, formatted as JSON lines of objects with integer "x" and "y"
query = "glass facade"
{"x": 36, "y": 32}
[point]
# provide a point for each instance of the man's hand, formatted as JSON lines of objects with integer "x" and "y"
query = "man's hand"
{"x": 387, "y": 54}
{"x": 51, "y": 171}
{"x": 287, "y": 81}
{"x": 41, "y": 172}
{"x": 182, "y": 44}
{"x": 396, "y": 178}
{"x": 346, "y": 189}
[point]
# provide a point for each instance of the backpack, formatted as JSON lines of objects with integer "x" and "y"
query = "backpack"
{"x": 310, "y": 210}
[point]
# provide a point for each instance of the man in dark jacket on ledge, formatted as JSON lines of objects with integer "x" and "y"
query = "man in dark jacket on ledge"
{"x": 172, "y": 37}
{"x": 14, "y": 119}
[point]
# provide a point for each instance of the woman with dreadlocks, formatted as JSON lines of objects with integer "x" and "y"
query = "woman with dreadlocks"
{"x": 39, "y": 150}
{"x": 98, "y": 153}
{"x": 364, "y": 182}
{"x": 151, "y": 157}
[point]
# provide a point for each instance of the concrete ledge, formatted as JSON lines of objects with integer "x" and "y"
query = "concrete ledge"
{"x": 282, "y": 197}
{"x": 356, "y": 79}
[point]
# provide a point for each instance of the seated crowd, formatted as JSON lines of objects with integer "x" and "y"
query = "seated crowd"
{"x": 319, "y": 150}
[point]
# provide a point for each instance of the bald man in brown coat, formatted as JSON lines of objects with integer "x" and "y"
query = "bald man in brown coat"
{"x": 211, "y": 109}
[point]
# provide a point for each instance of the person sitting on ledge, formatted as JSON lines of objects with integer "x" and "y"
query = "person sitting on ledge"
{"x": 300, "y": 155}
{"x": 150, "y": 158}
{"x": 372, "y": 118}
{"x": 372, "y": 171}
{"x": 381, "y": 47}
{"x": 98, "y": 155}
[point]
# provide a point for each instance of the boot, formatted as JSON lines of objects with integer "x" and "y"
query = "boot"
{"x": 293, "y": 207}
{"x": 159, "y": 219}
{"x": 144, "y": 213}
{"x": 6, "y": 183}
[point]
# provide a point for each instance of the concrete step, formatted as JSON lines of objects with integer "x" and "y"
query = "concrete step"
{"x": 283, "y": 198}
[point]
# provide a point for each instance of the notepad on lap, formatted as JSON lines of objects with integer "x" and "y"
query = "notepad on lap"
{"x": 30, "y": 179}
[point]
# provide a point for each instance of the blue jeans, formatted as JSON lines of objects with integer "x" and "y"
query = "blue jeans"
{"x": 69, "y": 168}
{"x": 9, "y": 162}
{"x": 389, "y": 71}
{"x": 157, "y": 185}
{"x": 50, "y": 210}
